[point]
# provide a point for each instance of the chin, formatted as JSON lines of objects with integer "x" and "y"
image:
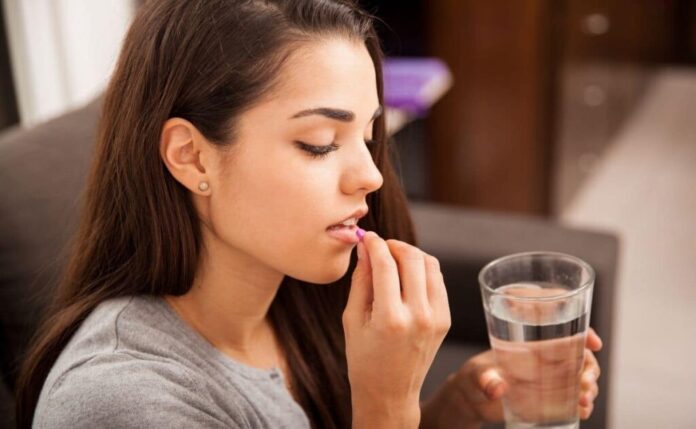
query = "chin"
{"x": 328, "y": 277}
{"x": 329, "y": 273}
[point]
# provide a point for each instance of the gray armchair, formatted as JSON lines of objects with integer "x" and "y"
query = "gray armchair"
{"x": 43, "y": 171}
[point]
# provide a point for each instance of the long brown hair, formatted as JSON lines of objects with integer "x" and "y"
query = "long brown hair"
{"x": 205, "y": 61}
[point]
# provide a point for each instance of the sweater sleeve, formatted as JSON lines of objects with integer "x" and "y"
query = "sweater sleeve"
{"x": 118, "y": 391}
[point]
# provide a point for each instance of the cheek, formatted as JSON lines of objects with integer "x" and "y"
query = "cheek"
{"x": 280, "y": 218}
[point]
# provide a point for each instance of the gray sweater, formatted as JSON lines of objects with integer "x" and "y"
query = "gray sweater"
{"x": 135, "y": 363}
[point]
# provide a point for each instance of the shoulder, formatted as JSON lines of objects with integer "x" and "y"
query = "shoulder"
{"x": 116, "y": 327}
{"x": 121, "y": 390}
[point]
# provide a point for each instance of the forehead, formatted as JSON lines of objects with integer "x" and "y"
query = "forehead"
{"x": 334, "y": 72}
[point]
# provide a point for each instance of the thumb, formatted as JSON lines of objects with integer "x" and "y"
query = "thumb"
{"x": 492, "y": 383}
{"x": 360, "y": 295}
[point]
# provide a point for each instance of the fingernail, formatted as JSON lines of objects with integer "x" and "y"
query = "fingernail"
{"x": 360, "y": 233}
{"x": 490, "y": 387}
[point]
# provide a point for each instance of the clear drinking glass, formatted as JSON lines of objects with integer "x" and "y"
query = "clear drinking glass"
{"x": 537, "y": 307}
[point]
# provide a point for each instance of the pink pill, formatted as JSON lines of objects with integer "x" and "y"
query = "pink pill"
{"x": 360, "y": 233}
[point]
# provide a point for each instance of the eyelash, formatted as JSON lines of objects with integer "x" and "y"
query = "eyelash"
{"x": 322, "y": 152}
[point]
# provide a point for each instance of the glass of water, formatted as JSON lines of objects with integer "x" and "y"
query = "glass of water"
{"x": 537, "y": 307}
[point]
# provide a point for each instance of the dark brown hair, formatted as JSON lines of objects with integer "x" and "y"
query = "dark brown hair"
{"x": 206, "y": 61}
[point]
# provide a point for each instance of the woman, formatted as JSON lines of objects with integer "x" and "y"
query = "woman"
{"x": 211, "y": 284}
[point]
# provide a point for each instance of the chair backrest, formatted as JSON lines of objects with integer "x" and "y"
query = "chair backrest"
{"x": 42, "y": 171}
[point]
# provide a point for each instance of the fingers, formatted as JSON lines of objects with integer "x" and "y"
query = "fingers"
{"x": 389, "y": 355}
{"x": 385, "y": 276}
{"x": 473, "y": 378}
{"x": 588, "y": 383}
{"x": 587, "y": 396}
{"x": 422, "y": 284}
{"x": 594, "y": 343}
{"x": 360, "y": 296}
{"x": 480, "y": 386}
{"x": 484, "y": 376}
{"x": 406, "y": 254}
{"x": 585, "y": 412}
{"x": 397, "y": 283}
{"x": 436, "y": 289}
{"x": 591, "y": 370}
{"x": 411, "y": 264}
{"x": 492, "y": 384}
{"x": 482, "y": 381}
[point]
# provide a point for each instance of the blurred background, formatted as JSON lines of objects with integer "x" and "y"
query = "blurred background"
{"x": 577, "y": 113}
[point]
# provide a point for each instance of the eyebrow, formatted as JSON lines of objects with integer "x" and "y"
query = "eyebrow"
{"x": 333, "y": 113}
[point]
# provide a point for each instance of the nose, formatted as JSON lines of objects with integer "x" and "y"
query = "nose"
{"x": 362, "y": 175}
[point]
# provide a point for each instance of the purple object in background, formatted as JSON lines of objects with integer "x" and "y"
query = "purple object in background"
{"x": 414, "y": 84}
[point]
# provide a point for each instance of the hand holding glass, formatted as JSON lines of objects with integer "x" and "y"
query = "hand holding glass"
{"x": 537, "y": 307}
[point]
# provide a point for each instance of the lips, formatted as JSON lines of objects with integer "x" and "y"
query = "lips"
{"x": 357, "y": 215}
{"x": 347, "y": 233}
{"x": 344, "y": 234}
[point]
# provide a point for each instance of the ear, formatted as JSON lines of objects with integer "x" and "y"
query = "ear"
{"x": 187, "y": 155}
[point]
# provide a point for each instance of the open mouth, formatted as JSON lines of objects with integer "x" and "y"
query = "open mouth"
{"x": 344, "y": 233}
{"x": 340, "y": 226}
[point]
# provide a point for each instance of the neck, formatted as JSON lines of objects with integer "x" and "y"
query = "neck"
{"x": 228, "y": 304}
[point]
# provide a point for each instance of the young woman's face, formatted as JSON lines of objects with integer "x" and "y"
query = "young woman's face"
{"x": 272, "y": 199}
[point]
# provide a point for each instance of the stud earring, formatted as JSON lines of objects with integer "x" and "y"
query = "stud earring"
{"x": 203, "y": 186}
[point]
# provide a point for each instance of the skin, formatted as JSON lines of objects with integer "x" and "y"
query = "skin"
{"x": 265, "y": 214}
{"x": 269, "y": 202}
{"x": 474, "y": 393}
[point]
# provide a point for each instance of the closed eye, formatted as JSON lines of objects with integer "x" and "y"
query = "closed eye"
{"x": 323, "y": 151}
{"x": 317, "y": 151}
